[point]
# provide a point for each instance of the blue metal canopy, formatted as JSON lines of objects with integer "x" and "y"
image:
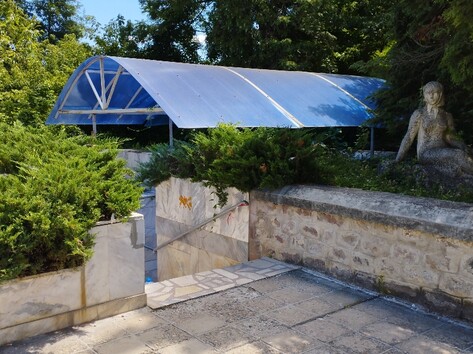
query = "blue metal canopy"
{"x": 111, "y": 90}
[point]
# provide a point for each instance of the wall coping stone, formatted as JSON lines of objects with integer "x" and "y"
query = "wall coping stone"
{"x": 429, "y": 215}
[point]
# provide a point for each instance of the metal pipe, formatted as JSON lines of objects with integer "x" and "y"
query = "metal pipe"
{"x": 113, "y": 111}
{"x": 94, "y": 126}
{"x": 103, "y": 94}
{"x": 372, "y": 142}
{"x": 171, "y": 134}
{"x": 94, "y": 90}
{"x": 198, "y": 226}
{"x": 138, "y": 90}
{"x": 114, "y": 85}
{"x": 73, "y": 85}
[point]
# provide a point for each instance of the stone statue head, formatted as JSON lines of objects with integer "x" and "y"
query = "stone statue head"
{"x": 433, "y": 94}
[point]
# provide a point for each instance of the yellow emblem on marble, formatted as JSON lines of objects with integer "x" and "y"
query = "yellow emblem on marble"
{"x": 185, "y": 202}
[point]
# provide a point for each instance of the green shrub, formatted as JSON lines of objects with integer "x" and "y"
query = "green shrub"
{"x": 227, "y": 156}
{"x": 253, "y": 158}
{"x": 53, "y": 189}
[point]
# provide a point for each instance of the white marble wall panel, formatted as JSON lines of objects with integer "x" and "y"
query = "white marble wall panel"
{"x": 97, "y": 270}
{"x": 115, "y": 272}
{"x": 120, "y": 262}
{"x": 39, "y": 296}
{"x": 180, "y": 259}
{"x": 191, "y": 203}
{"x": 180, "y": 205}
{"x": 126, "y": 266}
{"x": 134, "y": 157}
{"x": 203, "y": 239}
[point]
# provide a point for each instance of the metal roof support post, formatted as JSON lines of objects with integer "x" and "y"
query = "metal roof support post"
{"x": 171, "y": 137}
{"x": 94, "y": 125}
{"x": 103, "y": 95}
{"x": 372, "y": 142}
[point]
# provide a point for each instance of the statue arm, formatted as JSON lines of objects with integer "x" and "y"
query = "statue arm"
{"x": 412, "y": 131}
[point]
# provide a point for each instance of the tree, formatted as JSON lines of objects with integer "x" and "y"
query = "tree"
{"x": 119, "y": 38}
{"x": 276, "y": 34}
{"x": 26, "y": 6}
{"x": 32, "y": 73}
{"x": 19, "y": 49}
{"x": 57, "y": 17}
{"x": 360, "y": 28}
{"x": 324, "y": 35}
{"x": 458, "y": 56}
{"x": 431, "y": 41}
{"x": 171, "y": 33}
{"x": 321, "y": 35}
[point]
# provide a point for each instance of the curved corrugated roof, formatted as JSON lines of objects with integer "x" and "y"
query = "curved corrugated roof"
{"x": 138, "y": 91}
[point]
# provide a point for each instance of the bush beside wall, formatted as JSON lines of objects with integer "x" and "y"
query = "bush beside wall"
{"x": 53, "y": 189}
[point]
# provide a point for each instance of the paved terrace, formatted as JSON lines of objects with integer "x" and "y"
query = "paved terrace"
{"x": 262, "y": 306}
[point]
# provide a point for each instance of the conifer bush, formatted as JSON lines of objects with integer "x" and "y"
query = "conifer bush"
{"x": 244, "y": 158}
{"x": 53, "y": 189}
{"x": 227, "y": 156}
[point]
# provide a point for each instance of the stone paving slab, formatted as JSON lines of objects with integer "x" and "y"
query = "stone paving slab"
{"x": 209, "y": 282}
{"x": 294, "y": 312}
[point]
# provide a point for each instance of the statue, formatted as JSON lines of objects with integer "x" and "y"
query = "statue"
{"x": 437, "y": 144}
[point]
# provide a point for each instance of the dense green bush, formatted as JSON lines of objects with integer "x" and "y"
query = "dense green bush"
{"x": 270, "y": 158}
{"x": 53, "y": 189}
{"x": 166, "y": 162}
{"x": 228, "y": 156}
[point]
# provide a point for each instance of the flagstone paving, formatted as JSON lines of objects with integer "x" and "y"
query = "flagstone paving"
{"x": 263, "y": 306}
{"x": 191, "y": 286}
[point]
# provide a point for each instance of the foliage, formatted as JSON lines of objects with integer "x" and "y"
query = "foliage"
{"x": 172, "y": 32}
{"x": 227, "y": 156}
{"x": 32, "y": 73}
{"x": 327, "y": 35}
{"x": 324, "y": 35}
{"x": 53, "y": 189}
{"x": 166, "y": 162}
{"x": 428, "y": 41}
{"x": 248, "y": 159}
{"x": 119, "y": 38}
{"x": 57, "y": 18}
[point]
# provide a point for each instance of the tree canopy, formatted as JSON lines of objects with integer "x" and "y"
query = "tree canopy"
{"x": 324, "y": 36}
{"x": 406, "y": 42}
{"x": 32, "y": 72}
{"x": 56, "y": 18}
{"x": 429, "y": 41}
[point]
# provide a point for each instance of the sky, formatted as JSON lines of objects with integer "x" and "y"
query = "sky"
{"x": 106, "y": 10}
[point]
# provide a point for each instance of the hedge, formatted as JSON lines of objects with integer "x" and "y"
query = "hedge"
{"x": 246, "y": 158}
{"x": 53, "y": 189}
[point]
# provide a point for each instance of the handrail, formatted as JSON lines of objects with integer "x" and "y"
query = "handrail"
{"x": 198, "y": 226}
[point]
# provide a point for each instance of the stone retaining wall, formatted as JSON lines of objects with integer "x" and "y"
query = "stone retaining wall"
{"x": 419, "y": 249}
